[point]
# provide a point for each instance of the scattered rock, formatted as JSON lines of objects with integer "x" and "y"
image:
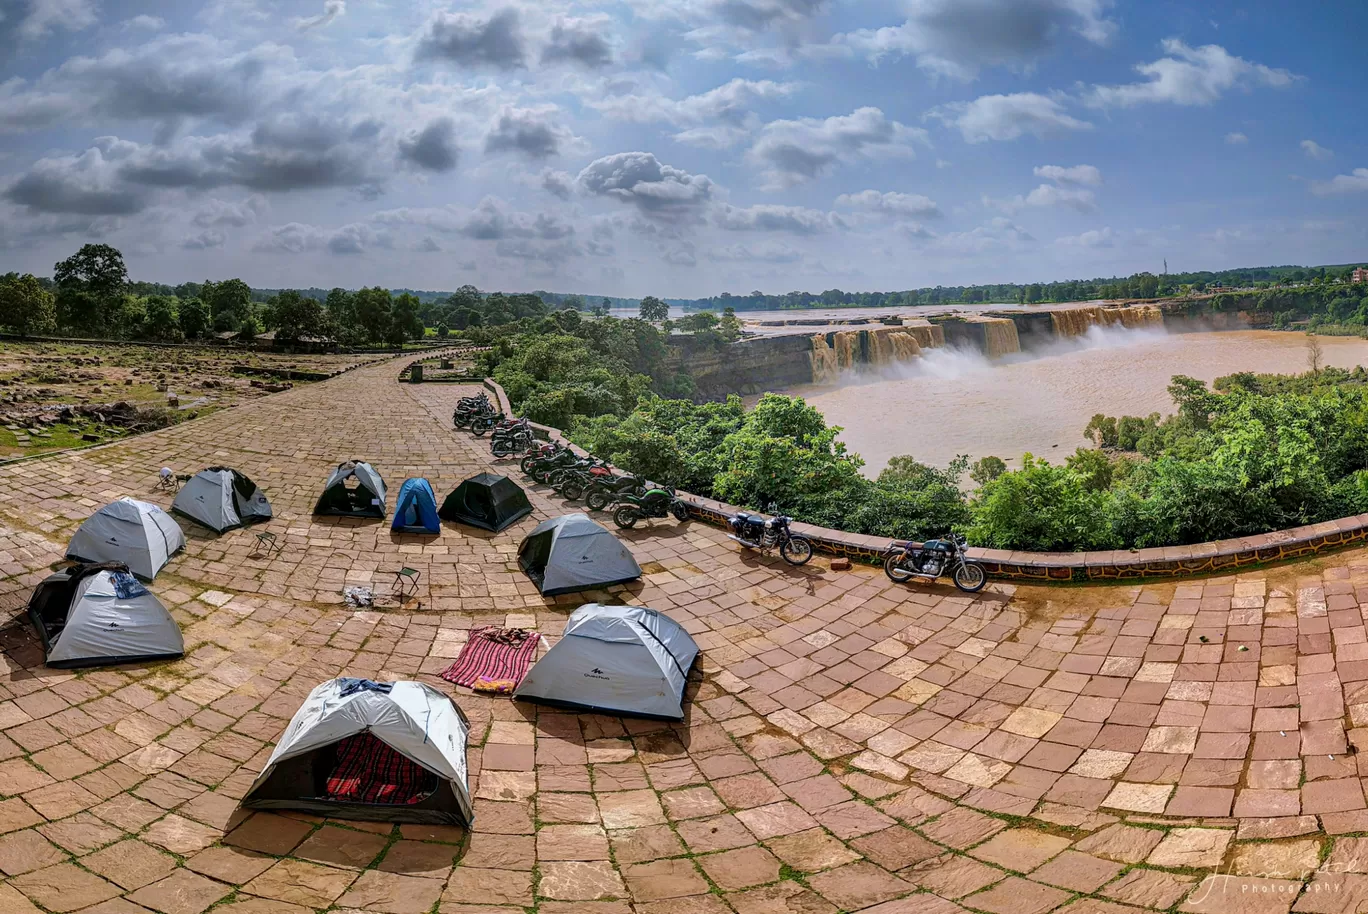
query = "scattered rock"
{"x": 840, "y": 564}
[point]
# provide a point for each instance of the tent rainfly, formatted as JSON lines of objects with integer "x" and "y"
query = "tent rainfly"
{"x": 95, "y": 615}
{"x": 380, "y": 751}
{"x": 354, "y": 489}
{"x": 134, "y": 533}
{"x": 415, "y": 510}
{"x": 222, "y": 499}
{"x": 615, "y": 660}
{"x": 570, "y": 553}
{"x": 487, "y": 501}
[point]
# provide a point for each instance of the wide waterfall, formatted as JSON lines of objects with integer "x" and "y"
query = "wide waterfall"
{"x": 1000, "y": 337}
{"x": 825, "y": 369}
{"x": 905, "y": 346}
{"x": 847, "y": 346}
{"x": 1078, "y": 321}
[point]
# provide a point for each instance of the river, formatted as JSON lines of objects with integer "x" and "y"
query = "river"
{"x": 955, "y": 402}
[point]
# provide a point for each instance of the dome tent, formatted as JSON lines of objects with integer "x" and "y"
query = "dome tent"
{"x": 135, "y": 533}
{"x": 487, "y": 501}
{"x": 365, "y": 498}
{"x": 570, "y": 553}
{"x": 615, "y": 660}
{"x": 221, "y": 499}
{"x": 415, "y": 510}
{"x": 94, "y": 615}
{"x": 381, "y": 751}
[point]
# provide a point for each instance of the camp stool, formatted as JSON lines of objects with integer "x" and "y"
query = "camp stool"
{"x": 406, "y": 585}
{"x": 267, "y": 543}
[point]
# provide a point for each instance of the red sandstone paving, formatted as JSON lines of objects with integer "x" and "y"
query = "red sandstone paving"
{"x": 863, "y": 734}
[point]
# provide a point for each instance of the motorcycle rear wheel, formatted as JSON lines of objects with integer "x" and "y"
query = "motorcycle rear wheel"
{"x": 796, "y": 551}
{"x": 970, "y": 577}
{"x": 598, "y": 500}
{"x": 626, "y": 517}
{"x": 573, "y": 490}
{"x": 894, "y": 569}
{"x": 526, "y": 464}
{"x": 480, "y": 430}
{"x": 680, "y": 511}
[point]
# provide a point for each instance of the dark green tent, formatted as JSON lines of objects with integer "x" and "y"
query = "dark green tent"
{"x": 487, "y": 501}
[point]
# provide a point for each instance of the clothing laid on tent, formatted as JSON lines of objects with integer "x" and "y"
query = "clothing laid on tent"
{"x": 415, "y": 511}
{"x": 93, "y": 615}
{"x": 221, "y": 499}
{"x": 487, "y": 501}
{"x": 570, "y": 553}
{"x": 354, "y": 489}
{"x": 135, "y": 533}
{"x": 615, "y": 660}
{"x": 381, "y": 751}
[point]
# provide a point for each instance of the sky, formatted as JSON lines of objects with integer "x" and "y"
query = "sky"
{"x": 681, "y": 148}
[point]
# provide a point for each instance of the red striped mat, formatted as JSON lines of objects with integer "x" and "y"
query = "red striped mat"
{"x": 492, "y": 660}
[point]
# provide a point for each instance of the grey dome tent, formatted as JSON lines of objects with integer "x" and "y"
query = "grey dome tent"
{"x": 354, "y": 489}
{"x": 570, "y": 553}
{"x": 93, "y": 615}
{"x": 615, "y": 660}
{"x": 221, "y": 499}
{"x": 380, "y": 751}
{"x": 487, "y": 501}
{"x": 135, "y": 533}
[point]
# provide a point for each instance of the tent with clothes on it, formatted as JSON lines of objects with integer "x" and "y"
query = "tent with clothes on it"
{"x": 354, "y": 489}
{"x": 135, "y": 533}
{"x": 487, "y": 501}
{"x": 381, "y": 751}
{"x": 415, "y": 510}
{"x": 570, "y": 553}
{"x": 222, "y": 499}
{"x": 615, "y": 660}
{"x": 94, "y": 615}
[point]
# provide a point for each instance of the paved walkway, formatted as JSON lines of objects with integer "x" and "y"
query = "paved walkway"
{"x": 852, "y": 745}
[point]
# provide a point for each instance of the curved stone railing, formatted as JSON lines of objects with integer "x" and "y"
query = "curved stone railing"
{"x": 1057, "y": 567}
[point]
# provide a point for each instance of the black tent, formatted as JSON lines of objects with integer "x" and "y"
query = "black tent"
{"x": 354, "y": 489}
{"x": 486, "y": 501}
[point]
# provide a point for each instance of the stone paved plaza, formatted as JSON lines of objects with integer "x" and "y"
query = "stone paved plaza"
{"x": 850, "y": 745}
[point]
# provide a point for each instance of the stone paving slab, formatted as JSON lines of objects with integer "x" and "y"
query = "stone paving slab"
{"x": 850, "y": 744}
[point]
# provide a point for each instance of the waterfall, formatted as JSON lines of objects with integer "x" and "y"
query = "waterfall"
{"x": 1000, "y": 337}
{"x": 905, "y": 346}
{"x": 825, "y": 369}
{"x": 880, "y": 349}
{"x": 1140, "y": 316}
{"x": 1077, "y": 321}
{"x": 928, "y": 336}
{"x": 845, "y": 343}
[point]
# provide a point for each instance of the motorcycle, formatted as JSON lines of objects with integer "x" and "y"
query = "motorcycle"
{"x": 655, "y": 503}
{"x": 483, "y": 424}
{"x": 467, "y": 408}
{"x": 543, "y": 469}
{"x": 606, "y": 490}
{"x": 571, "y": 482}
{"x": 542, "y": 452}
{"x": 934, "y": 558}
{"x": 509, "y": 444}
{"x": 755, "y": 532}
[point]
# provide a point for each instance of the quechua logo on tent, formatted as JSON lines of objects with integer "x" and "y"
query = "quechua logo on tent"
{"x": 596, "y": 673}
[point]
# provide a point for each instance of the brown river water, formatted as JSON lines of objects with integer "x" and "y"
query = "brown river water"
{"x": 954, "y": 402}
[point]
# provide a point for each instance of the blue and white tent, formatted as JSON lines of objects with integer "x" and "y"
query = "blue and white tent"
{"x": 416, "y": 509}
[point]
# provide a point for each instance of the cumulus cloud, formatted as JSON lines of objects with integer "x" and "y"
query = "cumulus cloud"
{"x": 491, "y": 220}
{"x": 958, "y": 38}
{"x": 222, "y": 212}
{"x": 1316, "y": 151}
{"x": 891, "y": 203}
{"x": 531, "y": 132}
{"x": 765, "y": 252}
{"x": 556, "y": 183}
{"x": 579, "y": 41}
{"x": 1076, "y": 174}
{"x": 716, "y": 119}
{"x": 1189, "y": 76}
{"x": 85, "y": 184}
{"x": 1097, "y": 238}
{"x": 766, "y": 217}
{"x": 1007, "y": 117}
{"x": 433, "y": 148}
{"x": 35, "y": 19}
{"x": 658, "y": 191}
{"x": 756, "y": 15}
{"x": 1355, "y": 183}
{"x": 790, "y": 152}
{"x": 468, "y": 40}
{"x": 298, "y": 238}
{"x": 332, "y": 9}
{"x": 213, "y": 238}
{"x": 1236, "y": 139}
{"x": 1049, "y": 195}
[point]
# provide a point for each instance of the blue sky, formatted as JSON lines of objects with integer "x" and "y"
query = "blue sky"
{"x": 681, "y": 147}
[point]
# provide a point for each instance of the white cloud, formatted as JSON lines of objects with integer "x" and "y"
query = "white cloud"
{"x": 1097, "y": 238}
{"x": 332, "y": 9}
{"x": 1047, "y": 195}
{"x": 765, "y": 252}
{"x": 1355, "y": 183}
{"x": 1006, "y": 117}
{"x": 1316, "y": 151}
{"x": 1076, "y": 174}
{"x": 768, "y": 217}
{"x": 790, "y": 152}
{"x": 716, "y": 119}
{"x": 1236, "y": 139}
{"x": 46, "y": 16}
{"x": 891, "y": 203}
{"x": 1189, "y": 76}
{"x": 658, "y": 191}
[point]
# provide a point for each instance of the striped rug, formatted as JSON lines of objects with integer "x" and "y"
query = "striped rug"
{"x": 492, "y": 660}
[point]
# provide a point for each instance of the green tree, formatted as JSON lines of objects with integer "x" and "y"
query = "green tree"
{"x": 90, "y": 289}
{"x": 193, "y": 317}
{"x": 405, "y": 323}
{"x": 698, "y": 322}
{"x": 294, "y": 316}
{"x": 230, "y": 304}
{"x": 730, "y": 325}
{"x": 986, "y": 469}
{"x": 26, "y": 308}
{"x": 373, "y": 306}
{"x": 654, "y": 310}
{"x": 162, "y": 320}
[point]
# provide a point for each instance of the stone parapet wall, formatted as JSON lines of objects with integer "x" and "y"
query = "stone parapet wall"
{"x": 1218, "y": 557}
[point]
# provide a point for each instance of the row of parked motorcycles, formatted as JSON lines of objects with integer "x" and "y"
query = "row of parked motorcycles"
{"x": 632, "y": 498}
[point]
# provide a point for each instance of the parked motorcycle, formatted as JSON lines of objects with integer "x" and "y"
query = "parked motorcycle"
{"x": 934, "y": 558}
{"x": 511, "y": 443}
{"x": 485, "y": 423}
{"x": 467, "y": 408}
{"x": 755, "y": 532}
{"x": 655, "y": 503}
{"x": 604, "y": 491}
{"x": 571, "y": 482}
{"x": 541, "y": 452}
{"x": 544, "y": 468}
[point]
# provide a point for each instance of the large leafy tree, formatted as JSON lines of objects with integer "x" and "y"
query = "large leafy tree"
{"x": 161, "y": 320}
{"x": 294, "y": 316}
{"x": 405, "y": 320}
{"x": 26, "y": 308}
{"x": 193, "y": 315}
{"x": 90, "y": 288}
{"x": 230, "y": 304}
{"x": 654, "y": 310}
{"x": 373, "y": 313}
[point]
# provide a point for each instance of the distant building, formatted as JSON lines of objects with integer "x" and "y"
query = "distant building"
{"x": 1360, "y": 274}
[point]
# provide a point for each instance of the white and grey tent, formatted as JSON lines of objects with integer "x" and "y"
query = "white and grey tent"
{"x": 95, "y": 615}
{"x": 354, "y": 489}
{"x": 134, "y": 533}
{"x": 615, "y": 660}
{"x": 222, "y": 499}
{"x": 570, "y": 553}
{"x": 380, "y": 751}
